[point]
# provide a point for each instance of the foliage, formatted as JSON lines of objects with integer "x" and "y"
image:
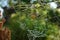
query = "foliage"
{"x": 39, "y": 19}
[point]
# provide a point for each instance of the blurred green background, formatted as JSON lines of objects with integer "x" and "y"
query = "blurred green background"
{"x": 40, "y": 18}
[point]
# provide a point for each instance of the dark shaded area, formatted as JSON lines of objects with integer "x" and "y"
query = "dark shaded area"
{"x": 53, "y": 17}
{"x": 8, "y": 12}
{"x": 27, "y": 1}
